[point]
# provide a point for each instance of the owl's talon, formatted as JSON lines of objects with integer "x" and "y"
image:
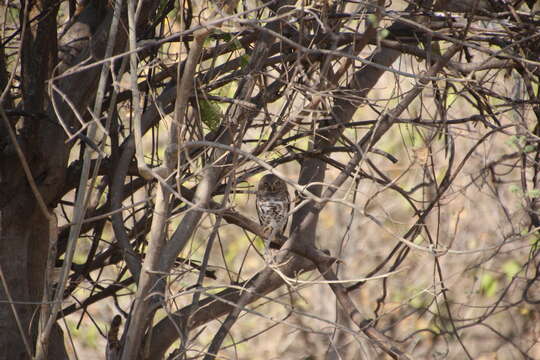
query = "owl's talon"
{"x": 268, "y": 258}
{"x": 267, "y": 231}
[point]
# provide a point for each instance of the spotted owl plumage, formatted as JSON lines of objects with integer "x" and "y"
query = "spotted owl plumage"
{"x": 273, "y": 203}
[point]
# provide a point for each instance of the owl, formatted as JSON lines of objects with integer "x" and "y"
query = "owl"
{"x": 273, "y": 204}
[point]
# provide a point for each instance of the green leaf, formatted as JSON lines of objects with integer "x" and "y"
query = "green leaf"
{"x": 418, "y": 240}
{"x": 419, "y": 301}
{"x": 535, "y": 242}
{"x": 227, "y": 90}
{"x": 534, "y": 193}
{"x": 226, "y": 36}
{"x": 237, "y": 43}
{"x": 511, "y": 268}
{"x": 488, "y": 285}
{"x": 383, "y": 34}
{"x": 244, "y": 60}
{"x": 516, "y": 140}
{"x": 529, "y": 148}
{"x": 210, "y": 113}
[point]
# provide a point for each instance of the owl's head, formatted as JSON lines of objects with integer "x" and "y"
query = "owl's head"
{"x": 271, "y": 184}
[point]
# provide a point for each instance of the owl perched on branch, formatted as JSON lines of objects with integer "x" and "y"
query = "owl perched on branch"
{"x": 273, "y": 204}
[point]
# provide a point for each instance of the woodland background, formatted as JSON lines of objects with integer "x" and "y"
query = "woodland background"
{"x": 133, "y": 134}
